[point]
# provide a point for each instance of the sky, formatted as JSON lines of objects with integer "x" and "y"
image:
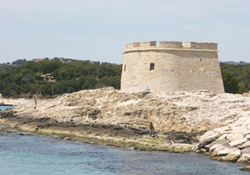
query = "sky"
{"x": 98, "y": 30}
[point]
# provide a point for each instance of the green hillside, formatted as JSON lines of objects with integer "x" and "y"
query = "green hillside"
{"x": 34, "y": 77}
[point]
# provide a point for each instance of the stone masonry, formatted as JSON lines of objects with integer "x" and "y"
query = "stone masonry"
{"x": 171, "y": 66}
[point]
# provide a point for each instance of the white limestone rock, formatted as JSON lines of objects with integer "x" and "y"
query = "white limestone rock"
{"x": 245, "y": 145}
{"x": 229, "y": 150}
{"x": 216, "y": 148}
{"x": 236, "y": 143}
{"x": 219, "y": 141}
{"x": 242, "y": 159}
{"x": 247, "y": 155}
{"x": 247, "y": 136}
{"x": 235, "y": 136}
{"x": 223, "y": 137}
{"x": 208, "y": 140}
{"x": 247, "y": 132}
{"x": 208, "y": 134}
{"x": 245, "y": 151}
{"x": 222, "y": 129}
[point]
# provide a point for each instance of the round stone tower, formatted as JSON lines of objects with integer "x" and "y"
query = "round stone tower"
{"x": 171, "y": 66}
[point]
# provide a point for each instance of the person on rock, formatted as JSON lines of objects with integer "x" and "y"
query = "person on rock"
{"x": 35, "y": 103}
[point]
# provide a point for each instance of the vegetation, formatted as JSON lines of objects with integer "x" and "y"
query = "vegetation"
{"x": 236, "y": 78}
{"x": 32, "y": 78}
{"x": 246, "y": 168}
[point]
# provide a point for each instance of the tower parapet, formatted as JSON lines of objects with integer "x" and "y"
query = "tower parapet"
{"x": 171, "y": 66}
{"x": 199, "y": 46}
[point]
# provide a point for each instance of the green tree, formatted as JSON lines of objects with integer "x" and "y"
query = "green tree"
{"x": 246, "y": 79}
{"x": 230, "y": 83}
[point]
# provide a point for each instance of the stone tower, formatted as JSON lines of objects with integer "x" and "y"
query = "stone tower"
{"x": 171, "y": 66}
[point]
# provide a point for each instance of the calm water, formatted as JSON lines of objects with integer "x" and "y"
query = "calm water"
{"x": 5, "y": 107}
{"x": 50, "y": 155}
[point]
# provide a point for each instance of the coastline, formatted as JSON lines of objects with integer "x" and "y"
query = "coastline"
{"x": 202, "y": 121}
{"x": 66, "y": 133}
{"x": 114, "y": 136}
{"x": 15, "y": 101}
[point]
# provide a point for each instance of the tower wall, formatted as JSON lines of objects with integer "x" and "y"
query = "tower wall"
{"x": 171, "y": 66}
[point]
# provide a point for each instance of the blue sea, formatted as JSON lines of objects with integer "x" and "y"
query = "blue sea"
{"x": 34, "y": 154}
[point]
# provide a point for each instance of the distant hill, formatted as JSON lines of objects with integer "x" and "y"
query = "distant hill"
{"x": 20, "y": 62}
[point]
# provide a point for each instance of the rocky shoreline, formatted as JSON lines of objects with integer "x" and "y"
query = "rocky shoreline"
{"x": 147, "y": 140}
{"x": 224, "y": 145}
{"x": 204, "y": 122}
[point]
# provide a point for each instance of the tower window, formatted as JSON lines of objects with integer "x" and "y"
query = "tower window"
{"x": 124, "y": 68}
{"x": 152, "y": 66}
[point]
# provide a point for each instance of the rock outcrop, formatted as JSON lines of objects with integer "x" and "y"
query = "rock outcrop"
{"x": 218, "y": 123}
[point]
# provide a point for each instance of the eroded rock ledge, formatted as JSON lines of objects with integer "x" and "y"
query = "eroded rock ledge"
{"x": 216, "y": 124}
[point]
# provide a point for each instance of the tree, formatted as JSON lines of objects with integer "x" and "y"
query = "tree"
{"x": 6, "y": 92}
{"x": 246, "y": 79}
{"x": 230, "y": 83}
{"x": 17, "y": 78}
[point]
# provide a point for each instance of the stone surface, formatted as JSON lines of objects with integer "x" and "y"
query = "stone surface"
{"x": 205, "y": 142}
{"x": 238, "y": 142}
{"x": 219, "y": 141}
{"x": 208, "y": 134}
{"x": 246, "y": 156}
{"x": 216, "y": 148}
{"x": 247, "y": 136}
{"x": 234, "y": 137}
{"x": 171, "y": 66}
{"x": 221, "y": 129}
{"x": 245, "y": 150}
{"x": 245, "y": 145}
{"x": 229, "y": 158}
{"x": 229, "y": 150}
{"x": 243, "y": 159}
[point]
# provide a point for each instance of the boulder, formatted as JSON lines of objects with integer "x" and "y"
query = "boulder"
{"x": 233, "y": 137}
{"x": 222, "y": 129}
{"x": 208, "y": 134}
{"x": 228, "y": 150}
{"x": 222, "y": 137}
{"x": 247, "y": 132}
{"x": 247, "y": 156}
{"x": 236, "y": 143}
{"x": 204, "y": 142}
{"x": 212, "y": 136}
{"x": 219, "y": 141}
{"x": 216, "y": 148}
{"x": 242, "y": 159}
{"x": 244, "y": 145}
{"x": 229, "y": 158}
{"x": 245, "y": 150}
{"x": 247, "y": 137}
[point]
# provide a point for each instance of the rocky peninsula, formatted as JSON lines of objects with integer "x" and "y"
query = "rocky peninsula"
{"x": 202, "y": 121}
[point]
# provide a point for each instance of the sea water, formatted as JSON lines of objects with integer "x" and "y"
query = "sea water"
{"x": 4, "y": 107}
{"x": 33, "y": 154}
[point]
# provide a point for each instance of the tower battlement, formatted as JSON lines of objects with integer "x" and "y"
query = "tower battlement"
{"x": 170, "y": 45}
